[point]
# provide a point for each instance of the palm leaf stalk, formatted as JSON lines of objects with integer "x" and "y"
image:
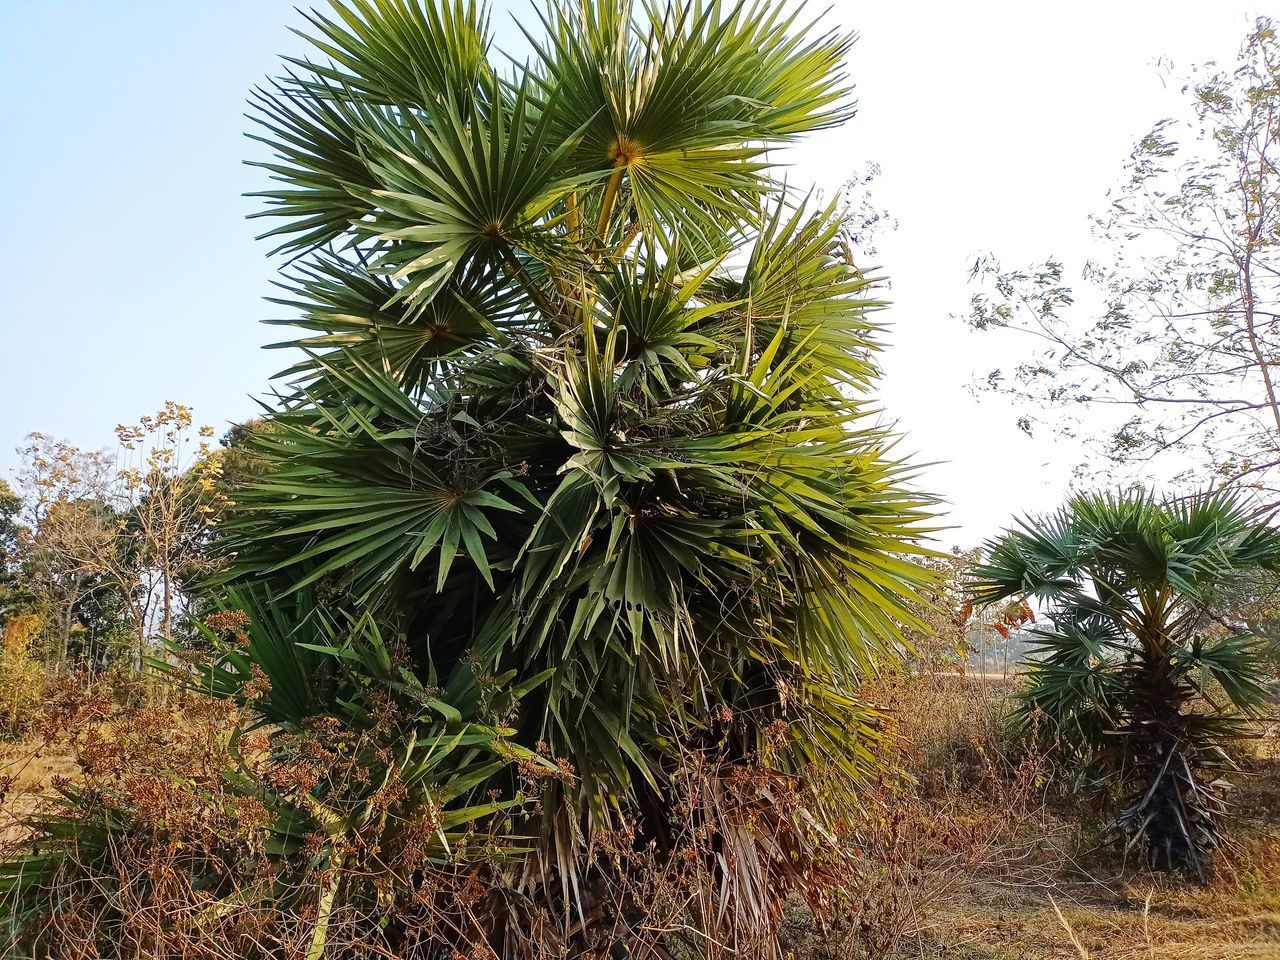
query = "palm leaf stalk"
{"x": 1138, "y": 680}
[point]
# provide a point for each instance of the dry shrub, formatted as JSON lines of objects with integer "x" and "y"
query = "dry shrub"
{"x": 193, "y": 876}
{"x": 949, "y": 727}
{"x": 956, "y": 804}
{"x": 177, "y": 852}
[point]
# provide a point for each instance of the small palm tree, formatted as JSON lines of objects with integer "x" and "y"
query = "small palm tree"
{"x": 1136, "y": 680}
{"x": 578, "y": 468}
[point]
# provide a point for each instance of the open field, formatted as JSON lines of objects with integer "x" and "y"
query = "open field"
{"x": 1048, "y": 896}
{"x": 1019, "y": 872}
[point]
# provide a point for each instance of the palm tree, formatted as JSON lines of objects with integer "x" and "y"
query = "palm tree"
{"x": 1138, "y": 681}
{"x": 578, "y": 463}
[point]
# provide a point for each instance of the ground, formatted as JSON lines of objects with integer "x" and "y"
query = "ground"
{"x": 980, "y": 864}
{"x": 1088, "y": 907}
{"x": 1000, "y": 863}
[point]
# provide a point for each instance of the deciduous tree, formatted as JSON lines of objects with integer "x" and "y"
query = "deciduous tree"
{"x": 1169, "y": 346}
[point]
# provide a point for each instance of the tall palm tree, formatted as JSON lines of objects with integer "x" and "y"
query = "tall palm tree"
{"x": 1137, "y": 680}
{"x": 578, "y": 463}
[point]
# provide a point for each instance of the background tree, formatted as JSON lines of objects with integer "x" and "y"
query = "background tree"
{"x": 11, "y": 591}
{"x": 79, "y": 579}
{"x": 170, "y": 492}
{"x": 1134, "y": 681}
{"x": 240, "y": 464}
{"x": 1251, "y": 603}
{"x": 113, "y": 540}
{"x": 958, "y": 636}
{"x": 22, "y": 674}
{"x": 1171, "y": 347}
{"x": 70, "y": 526}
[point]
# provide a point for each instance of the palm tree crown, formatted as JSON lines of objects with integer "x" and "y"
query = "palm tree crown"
{"x": 545, "y": 423}
{"x": 1137, "y": 680}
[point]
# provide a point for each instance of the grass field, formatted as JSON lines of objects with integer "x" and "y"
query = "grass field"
{"x": 1013, "y": 872}
{"x": 1086, "y": 907}
{"x": 972, "y": 857}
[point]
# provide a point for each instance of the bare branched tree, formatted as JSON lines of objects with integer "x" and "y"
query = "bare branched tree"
{"x": 1175, "y": 329}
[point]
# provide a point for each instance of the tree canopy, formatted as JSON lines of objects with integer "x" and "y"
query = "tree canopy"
{"x": 1167, "y": 348}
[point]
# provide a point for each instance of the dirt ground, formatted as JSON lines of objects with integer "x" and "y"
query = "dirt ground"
{"x": 1090, "y": 908}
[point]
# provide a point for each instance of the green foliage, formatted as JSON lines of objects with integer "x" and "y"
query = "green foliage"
{"x": 533, "y": 431}
{"x": 12, "y": 591}
{"x": 1134, "y": 681}
{"x": 22, "y": 676}
{"x": 310, "y": 679}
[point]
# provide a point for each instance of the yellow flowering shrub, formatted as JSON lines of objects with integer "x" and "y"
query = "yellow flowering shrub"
{"x": 22, "y": 675}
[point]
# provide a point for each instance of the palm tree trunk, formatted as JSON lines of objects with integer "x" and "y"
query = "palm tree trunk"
{"x": 1176, "y": 813}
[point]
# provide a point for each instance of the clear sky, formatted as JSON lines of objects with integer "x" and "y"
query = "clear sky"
{"x": 128, "y": 275}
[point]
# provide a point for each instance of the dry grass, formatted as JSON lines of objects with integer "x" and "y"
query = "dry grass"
{"x": 197, "y": 873}
{"x": 1045, "y": 889}
{"x": 973, "y": 856}
{"x": 28, "y": 770}
{"x": 1117, "y": 921}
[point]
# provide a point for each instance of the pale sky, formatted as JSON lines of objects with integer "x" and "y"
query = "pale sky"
{"x": 129, "y": 277}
